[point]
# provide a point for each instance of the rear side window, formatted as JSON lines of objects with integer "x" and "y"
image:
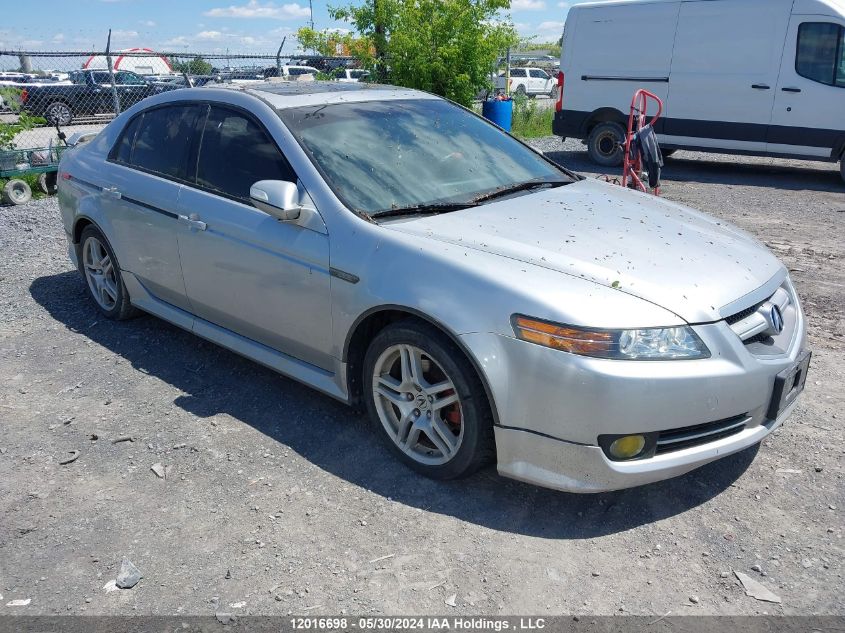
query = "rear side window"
{"x": 235, "y": 153}
{"x": 821, "y": 53}
{"x": 163, "y": 141}
{"x": 518, "y": 72}
{"x": 122, "y": 151}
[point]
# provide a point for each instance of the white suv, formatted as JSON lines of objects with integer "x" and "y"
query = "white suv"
{"x": 528, "y": 81}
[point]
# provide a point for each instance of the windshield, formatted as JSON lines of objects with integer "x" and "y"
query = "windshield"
{"x": 383, "y": 155}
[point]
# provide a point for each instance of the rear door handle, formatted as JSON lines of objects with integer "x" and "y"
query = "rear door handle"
{"x": 112, "y": 192}
{"x": 791, "y": 89}
{"x": 193, "y": 222}
{"x": 760, "y": 87}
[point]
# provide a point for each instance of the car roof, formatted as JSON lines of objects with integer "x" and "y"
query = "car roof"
{"x": 292, "y": 94}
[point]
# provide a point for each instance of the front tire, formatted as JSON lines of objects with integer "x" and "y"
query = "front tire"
{"x": 427, "y": 401}
{"x": 101, "y": 271}
{"x": 605, "y": 144}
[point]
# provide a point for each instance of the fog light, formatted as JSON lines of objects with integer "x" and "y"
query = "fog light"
{"x": 627, "y": 447}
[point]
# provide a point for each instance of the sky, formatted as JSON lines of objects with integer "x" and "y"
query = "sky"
{"x": 241, "y": 26}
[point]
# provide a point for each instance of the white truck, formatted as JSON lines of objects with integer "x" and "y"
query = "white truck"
{"x": 762, "y": 77}
{"x": 528, "y": 81}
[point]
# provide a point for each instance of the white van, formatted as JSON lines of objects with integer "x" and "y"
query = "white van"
{"x": 762, "y": 77}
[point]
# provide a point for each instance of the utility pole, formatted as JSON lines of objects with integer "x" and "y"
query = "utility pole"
{"x": 380, "y": 40}
{"x": 311, "y": 9}
{"x": 115, "y": 98}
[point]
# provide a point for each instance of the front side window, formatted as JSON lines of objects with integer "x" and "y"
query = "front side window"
{"x": 821, "y": 53}
{"x": 383, "y": 155}
{"x": 236, "y": 153}
{"x": 539, "y": 74}
{"x": 163, "y": 141}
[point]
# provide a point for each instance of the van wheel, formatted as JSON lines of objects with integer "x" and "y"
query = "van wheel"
{"x": 604, "y": 144}
{"x": 427, "y": 401}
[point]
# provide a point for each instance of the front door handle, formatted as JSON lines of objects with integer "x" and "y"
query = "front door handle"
{"x": 791, "y": 89}
{"x": 192, "y": 221}
{"x": 760, "y": 87}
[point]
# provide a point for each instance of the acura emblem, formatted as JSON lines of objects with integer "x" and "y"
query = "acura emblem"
{"x": 773, "y": 317}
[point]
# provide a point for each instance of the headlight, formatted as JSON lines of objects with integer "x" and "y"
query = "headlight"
{"x": 666, "y": 343}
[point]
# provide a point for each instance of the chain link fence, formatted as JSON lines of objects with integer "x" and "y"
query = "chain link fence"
{"x": 83, "y": 91}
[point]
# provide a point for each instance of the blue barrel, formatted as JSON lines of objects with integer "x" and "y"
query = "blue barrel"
{"x": 498, "y": 112}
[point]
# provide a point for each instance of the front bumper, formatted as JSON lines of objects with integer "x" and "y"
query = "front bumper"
{"x": 552, "y": 406}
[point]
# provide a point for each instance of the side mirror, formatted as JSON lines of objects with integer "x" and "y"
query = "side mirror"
{"x": 278, "y": 198}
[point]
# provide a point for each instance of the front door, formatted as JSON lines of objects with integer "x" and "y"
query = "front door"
{"x": 809, "y": 112}
{"x": 244, "y": 270}
{"x": 724, "y": 73}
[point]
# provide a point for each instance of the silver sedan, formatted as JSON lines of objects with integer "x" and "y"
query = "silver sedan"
{"x": 402, "y": 255}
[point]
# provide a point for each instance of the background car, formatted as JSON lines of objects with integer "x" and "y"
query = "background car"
{"x": 528, "y": 81}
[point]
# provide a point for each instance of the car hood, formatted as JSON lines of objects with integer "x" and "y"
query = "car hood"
{"x": 659, "y": 251}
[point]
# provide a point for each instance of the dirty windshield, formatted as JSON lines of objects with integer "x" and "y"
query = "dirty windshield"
{"x": 387, "y": 155}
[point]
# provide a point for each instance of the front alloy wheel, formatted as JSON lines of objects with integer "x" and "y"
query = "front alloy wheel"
{"x": 417, "y": 404}
{"x": 427, "y": 400}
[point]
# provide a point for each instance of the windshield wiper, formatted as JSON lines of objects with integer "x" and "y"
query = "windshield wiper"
{"x": 523, "y": 186}
{"x": 422, "y": 209}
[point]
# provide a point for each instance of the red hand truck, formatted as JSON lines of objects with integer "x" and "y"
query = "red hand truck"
{"x": 632, "y": 166}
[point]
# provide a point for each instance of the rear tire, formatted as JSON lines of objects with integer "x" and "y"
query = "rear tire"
{"x": 427, "y": 401}
{"x": 101, "y": 271}
{"x": 16, "y": 191}
{"x": 47, "y": 183}
{"x": 667, "y": 152}
{"x": 842, "y": 167}
{"x": 58, "y": 113}
{"x": 604, "y": 144}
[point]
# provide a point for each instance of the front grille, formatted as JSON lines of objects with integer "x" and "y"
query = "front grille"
{"x": 743, "y": 314}
{"x": 678, "y": 439}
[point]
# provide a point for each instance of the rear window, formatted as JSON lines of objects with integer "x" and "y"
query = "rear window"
{"x": 163, "y": 141}
{"x": 122, "y": 151}
{"x": 821, "y": 53}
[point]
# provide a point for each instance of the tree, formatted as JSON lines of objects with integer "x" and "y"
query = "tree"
{"x": 195, "y": 66}
{"x": 447, "y": 47}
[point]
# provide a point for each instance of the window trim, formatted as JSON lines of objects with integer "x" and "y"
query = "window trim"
{"x": 837, "y": 56}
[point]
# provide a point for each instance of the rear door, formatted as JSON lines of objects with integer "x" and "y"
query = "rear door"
{"x": 724, "y": 73}
{"x": 244, "y": 270}
{"x": 808, "y": 118}
{"x": 145, "y": 172}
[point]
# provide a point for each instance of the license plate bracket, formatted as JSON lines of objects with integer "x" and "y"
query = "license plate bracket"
{"x": 788, "y": 385}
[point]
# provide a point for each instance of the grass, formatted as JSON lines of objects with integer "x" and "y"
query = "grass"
{"x": 529, "y": 121}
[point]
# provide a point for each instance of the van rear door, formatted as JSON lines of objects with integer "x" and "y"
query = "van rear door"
{"x": 724, "y": 73}
{"x": 808, "y": 118}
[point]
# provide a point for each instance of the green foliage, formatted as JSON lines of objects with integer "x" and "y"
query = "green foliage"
{"x": 331, "y": 43}
{"x": 530, "y": 121}
{"x": 195, "y": 66}
{"x": 8, "y": 131}
{"x": 447, "y": 47}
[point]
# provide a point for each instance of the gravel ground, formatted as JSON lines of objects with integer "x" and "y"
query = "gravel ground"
{"x": 279, "y": 500}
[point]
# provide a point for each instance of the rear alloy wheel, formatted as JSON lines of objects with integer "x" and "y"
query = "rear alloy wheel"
{"x": 605, "y": 144}
{"x": 102, "y": 274}
{"x": 16, "y": 191}
{"x": 58, "y": 113}
{"x": 428, "y": 401}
